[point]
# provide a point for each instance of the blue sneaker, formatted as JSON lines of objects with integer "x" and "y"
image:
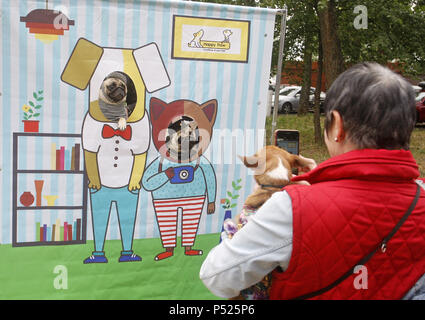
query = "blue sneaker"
{"x": 95, "y": 259}
{"x": 129, "y": 258}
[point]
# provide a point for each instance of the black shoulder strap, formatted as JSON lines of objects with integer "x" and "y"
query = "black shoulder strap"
{"x": 382, "y": 246}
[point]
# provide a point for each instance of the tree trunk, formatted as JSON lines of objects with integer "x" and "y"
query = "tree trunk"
{"x": 333, "y": 61}
{"x": 304, "y": 104}
{"x": 317, "y": 127}
{"x": 305, "y": 90}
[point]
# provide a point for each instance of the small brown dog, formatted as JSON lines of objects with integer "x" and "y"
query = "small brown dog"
{"x": 272, "y": 168}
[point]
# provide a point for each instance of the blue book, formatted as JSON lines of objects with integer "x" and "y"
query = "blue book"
{"x": 74, "y": 231}
{"x": 49, "y": 233}
{"x": 67, "y": 160}
{"x": 45, "y": 232}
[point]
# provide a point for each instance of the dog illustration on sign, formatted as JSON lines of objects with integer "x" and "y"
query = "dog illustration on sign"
{"x": 181, "y": 178}
{"x": 115, "y": 154}
{"x": 197, "y": 41}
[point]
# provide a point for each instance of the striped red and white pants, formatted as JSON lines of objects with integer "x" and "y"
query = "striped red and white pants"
{"x": 166, "y": 214}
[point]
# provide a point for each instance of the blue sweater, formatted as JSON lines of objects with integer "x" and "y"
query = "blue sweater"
{"x": 204, "y": 180}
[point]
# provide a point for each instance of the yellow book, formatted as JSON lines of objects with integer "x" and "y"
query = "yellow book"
{"x": 53, "y": 156}
{"x": 57, "y": 230}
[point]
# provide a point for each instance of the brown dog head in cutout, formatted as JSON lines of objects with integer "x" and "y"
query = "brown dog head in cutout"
{"x": 182, "y": 129}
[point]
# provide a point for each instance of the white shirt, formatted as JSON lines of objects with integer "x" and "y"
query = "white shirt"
{"x": 263, "y": 244}
{"x": 115, "y": 155}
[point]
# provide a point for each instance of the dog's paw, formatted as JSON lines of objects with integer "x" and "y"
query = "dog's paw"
{"x": 122, "y": 124}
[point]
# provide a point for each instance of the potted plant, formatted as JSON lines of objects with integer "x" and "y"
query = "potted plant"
{"x": 227, "y": 202}
{"x": 31, "y": 112}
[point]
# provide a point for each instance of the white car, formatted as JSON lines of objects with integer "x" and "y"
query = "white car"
{"x": 419, "y": 91}
{"x": 420, "y": 96}
{"x": 289, "y": 98}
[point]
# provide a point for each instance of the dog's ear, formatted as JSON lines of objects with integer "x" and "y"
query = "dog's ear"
{"x": 82, "y": 64}
{"x": 210, "y": 110}
{"x": 156, "y": 107}
{"x": 251, "y": 162}
{"x": 301, "y": 162}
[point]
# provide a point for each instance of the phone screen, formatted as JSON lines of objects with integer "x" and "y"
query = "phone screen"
{"x": 288, "y": 140}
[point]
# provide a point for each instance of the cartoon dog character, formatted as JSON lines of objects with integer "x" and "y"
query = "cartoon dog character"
{"x": 196, "y": 41}
{"x": 181, "y": 177}
{"x": 115, "y": 159}
{"x": 227, "y": 33}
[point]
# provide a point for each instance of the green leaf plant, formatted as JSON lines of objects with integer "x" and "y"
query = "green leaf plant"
{"x": 32, "y": 109}
{"x": 227, "y": 202}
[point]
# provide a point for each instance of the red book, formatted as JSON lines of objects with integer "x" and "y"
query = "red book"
{"x": 41, "y": 234}
{"x": 58, "y": 159}
{"x": 62, "y": 159}
{"x": 69, "y": 232}
{"x": 65, "y": 231}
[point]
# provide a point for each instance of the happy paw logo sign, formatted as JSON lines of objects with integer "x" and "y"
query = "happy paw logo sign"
{"x": 136, "y": 109}
{"x": 210, "y": 39}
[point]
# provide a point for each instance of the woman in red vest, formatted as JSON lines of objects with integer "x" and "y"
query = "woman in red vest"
{"x": 358, "y": 230}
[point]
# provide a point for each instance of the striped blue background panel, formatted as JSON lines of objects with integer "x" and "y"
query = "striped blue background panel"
{"x": 32, "y": 60}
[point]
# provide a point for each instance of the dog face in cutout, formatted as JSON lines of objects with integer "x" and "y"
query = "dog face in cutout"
{"x": 89, "y": 65}
{"x": 182, "y": 129}
{"x": 113, "y": 89}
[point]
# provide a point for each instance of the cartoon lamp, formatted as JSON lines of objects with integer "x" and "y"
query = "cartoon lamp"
{"x": 47, "y": 25}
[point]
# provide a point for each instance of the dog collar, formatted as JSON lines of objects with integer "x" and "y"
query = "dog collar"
{"x": 272, "y": 186}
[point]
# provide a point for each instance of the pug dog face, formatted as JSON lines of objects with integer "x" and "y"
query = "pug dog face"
{"x": 182, "y": 138}
{"x": 113, "y": 90}
{"x": 182, "y": 129}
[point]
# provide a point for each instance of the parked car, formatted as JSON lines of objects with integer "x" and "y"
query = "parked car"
{"x": 420, "y": 110}
{"x": 420, "y": 96}
{"x": 289, "y": 98}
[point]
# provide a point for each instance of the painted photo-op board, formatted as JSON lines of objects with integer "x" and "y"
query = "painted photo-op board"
{"x": 121, "y": 126}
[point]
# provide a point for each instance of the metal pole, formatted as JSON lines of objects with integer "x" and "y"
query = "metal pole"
{"x": 279, "y": 70}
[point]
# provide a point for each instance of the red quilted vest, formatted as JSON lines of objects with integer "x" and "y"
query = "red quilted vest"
{"x": 353, "y": 202}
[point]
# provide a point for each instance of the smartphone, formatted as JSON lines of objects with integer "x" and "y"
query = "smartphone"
{"x": 288, "y": 140}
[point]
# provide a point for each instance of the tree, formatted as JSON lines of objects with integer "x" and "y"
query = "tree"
{"x": 317, "y": 127}
{"x": 332, "y": 55}
{"x": 394, "y": 32}
{"x": 309, "y": 31}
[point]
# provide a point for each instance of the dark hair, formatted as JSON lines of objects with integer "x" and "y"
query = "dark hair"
{"x": 376, "y": 104}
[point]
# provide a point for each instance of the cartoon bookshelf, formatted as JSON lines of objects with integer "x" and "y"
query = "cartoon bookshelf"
{"x": 46, "y": 219}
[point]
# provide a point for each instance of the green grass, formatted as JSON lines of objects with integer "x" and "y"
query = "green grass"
{"x": 308, "y": 148}
{"x": 28, "y": 272}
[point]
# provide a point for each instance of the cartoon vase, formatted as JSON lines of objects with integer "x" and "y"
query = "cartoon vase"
{"x": 50, "y": 199}
{"x": 38, "y": 191}
{"x": 227, "y": 215}
{"x": 27, "y": 199}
